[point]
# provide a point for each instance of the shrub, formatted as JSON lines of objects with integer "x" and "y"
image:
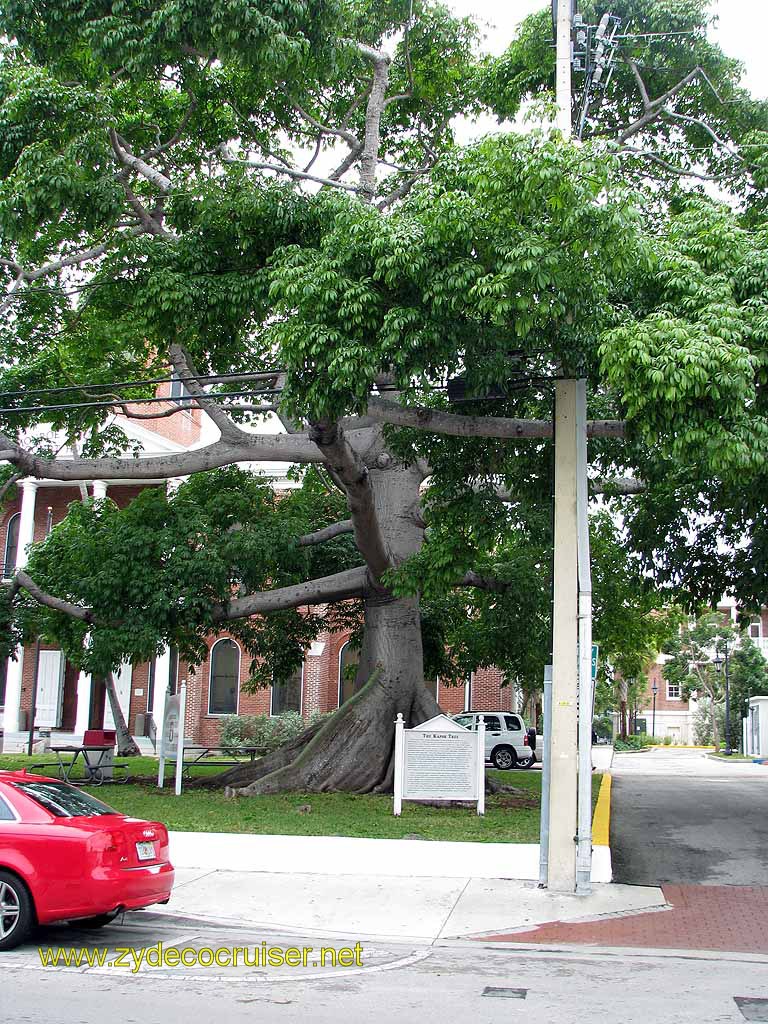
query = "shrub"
{"x": 265, "y": 731}
{"x": 634, "y": 742}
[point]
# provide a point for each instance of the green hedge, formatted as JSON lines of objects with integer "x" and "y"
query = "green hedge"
{"x": 265, "y": 731}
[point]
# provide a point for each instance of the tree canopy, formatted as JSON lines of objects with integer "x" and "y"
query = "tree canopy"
{"x": 266, "y": 197}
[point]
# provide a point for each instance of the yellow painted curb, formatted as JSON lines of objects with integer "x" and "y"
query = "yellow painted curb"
{"x": 601, "y": 820}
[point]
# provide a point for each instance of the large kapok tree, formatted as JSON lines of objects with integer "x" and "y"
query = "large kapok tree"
{"x": 153, "y": 213}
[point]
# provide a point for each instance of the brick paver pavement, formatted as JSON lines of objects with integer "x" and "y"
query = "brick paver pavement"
{"x": 716, "y": 917}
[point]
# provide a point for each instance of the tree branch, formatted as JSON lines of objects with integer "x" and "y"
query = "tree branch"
{"x": 682, "y": 172}
{"x": 180, "y": 360}
{"x": 75, "y": 611}
{"x": 252, "y": 448}
{"x": 617, "y": 485}
{"x": 439, "y": 422}
{"x": 12, "y": 479}
{"x": 374, "y": 109}
{"x": 341, "y": 586}
{"x": 327, "y": 533}
{"x": 291, "y": 172}
{"x": 345, "y": 466}
{"x": 138, "y": 165}
{"x": 654, "y": 108}
{"x": 483, "y": 582}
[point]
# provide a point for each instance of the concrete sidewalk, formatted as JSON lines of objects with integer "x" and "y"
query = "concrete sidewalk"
{"x": 385, "y": 907}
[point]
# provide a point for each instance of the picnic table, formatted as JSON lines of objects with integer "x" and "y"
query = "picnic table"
{"x": 195, "y": 756}
{"x": 97, "y": 763}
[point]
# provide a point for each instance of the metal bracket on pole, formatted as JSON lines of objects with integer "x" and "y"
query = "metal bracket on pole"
{"x": 546, "y": 771}
{"x": 584, "y": 808}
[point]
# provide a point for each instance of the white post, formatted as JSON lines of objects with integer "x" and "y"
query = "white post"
{"x": 162, "y": 680}
{"x": 12, "y": 717}
{"x": 161, "y": 750}
{"x": 399, "y": 753}
{"x": 480, "y": 765}
{"x": 561, "y": 856}
{"x": 563, "y": 67}
{"x": 100, "y": 489}
{"x": 180, "y": 737}
{"x": 584, "y": 803}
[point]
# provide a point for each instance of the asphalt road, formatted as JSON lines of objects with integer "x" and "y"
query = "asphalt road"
{"x": 452, "y": 983}
{"x": 680, "y": 817}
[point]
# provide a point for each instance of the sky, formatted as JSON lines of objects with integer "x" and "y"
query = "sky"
{"x": 742, "y": 30}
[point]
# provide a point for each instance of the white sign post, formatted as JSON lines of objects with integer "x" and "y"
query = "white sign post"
{"x": 439, "y": 760}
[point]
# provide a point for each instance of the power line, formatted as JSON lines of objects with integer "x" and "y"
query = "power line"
{"x": 183, "y": 401}
{"x": 222, "y": 399}
{"x": 209, "y": 378}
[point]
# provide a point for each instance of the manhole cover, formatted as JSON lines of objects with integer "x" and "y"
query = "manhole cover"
{"x": 752, "y": 1009}
{"x": 517, "y": 993}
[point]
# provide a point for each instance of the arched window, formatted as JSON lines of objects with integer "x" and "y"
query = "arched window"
{"x": 11, "y": 544}
{"x": 349, "y": 659}
{"x": 225, "y": 678}
{"x": 287, "y": 696}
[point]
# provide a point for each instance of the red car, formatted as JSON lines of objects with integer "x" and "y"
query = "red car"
{"x": 64, "y": 855}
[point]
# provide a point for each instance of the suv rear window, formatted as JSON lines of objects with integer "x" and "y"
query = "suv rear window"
{"x": 64, "y": 801}
{"x": 513, "y": 724}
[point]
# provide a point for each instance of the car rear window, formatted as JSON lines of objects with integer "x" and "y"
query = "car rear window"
{"x": 64, "y": 801}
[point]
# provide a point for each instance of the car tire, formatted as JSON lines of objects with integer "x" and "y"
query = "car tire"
{"x": 503, "y": 758}
{"x": 526, "y": 762}
{"x": 98, "y": 921}
{"x": 17, "y": 914}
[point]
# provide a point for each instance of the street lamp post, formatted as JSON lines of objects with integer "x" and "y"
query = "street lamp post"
{"x": 718, "y": 663}
{"x": 654, "y": 691}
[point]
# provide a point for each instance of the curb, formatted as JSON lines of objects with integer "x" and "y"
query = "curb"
{"x": 601, "y": 819}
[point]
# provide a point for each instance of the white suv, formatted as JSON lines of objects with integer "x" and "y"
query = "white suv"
{"x": 508, "y": 744}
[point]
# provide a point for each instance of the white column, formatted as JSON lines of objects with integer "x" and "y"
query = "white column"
{"x": 99, "y": 488}
{"x": 15, "y": 667}
{"x": 562, "y": 793}
{"x": 84, "y": 682}
{"x": 162, "y": 669}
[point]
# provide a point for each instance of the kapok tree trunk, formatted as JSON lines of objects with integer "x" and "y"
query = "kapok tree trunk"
{"x": 354, "y": 749}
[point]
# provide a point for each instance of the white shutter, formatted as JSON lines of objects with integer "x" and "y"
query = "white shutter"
{"x": 50, "y": 689}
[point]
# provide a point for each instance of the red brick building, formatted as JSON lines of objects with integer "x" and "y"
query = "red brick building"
{"x": 70, "y": 701}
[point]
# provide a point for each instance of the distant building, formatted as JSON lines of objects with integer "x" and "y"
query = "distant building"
{"x": 675, "y": 714}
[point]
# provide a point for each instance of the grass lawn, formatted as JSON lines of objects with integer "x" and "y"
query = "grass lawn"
{"x": 730, "y": 757}
{"x": 509, "y": 817}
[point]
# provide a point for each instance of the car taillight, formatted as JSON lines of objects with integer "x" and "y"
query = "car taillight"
{"x": 112, "y": 844}
{"x": 525, "y": 741}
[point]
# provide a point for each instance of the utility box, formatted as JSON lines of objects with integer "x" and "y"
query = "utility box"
{"x": 756, "y": 728}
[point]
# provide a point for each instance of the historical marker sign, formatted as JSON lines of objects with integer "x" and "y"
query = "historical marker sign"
{"x": 439, "y": 760}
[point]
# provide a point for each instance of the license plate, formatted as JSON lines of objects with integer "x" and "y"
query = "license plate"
{"x": 145, "y": 851}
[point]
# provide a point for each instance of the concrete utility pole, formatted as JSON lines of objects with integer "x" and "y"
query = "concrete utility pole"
{"x": 571, "y": 609}
{"x": 561, "y": 859}
{"x": 563, "y": 65}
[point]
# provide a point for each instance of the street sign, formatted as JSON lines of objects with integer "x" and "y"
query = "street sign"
{"x": 595, "y": 651}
